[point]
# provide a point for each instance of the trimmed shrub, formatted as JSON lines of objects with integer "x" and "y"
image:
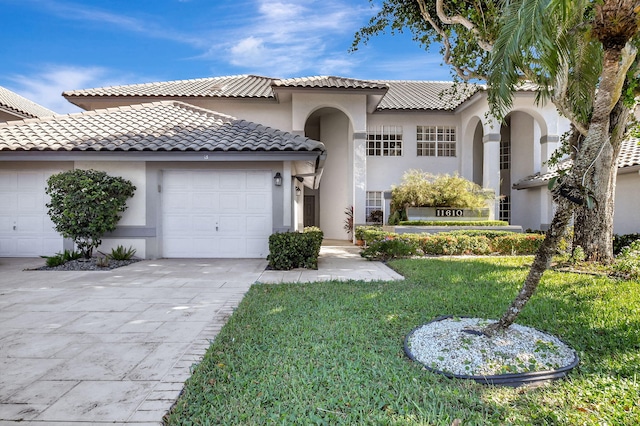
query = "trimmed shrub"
{"x": 489, "y": 233}
{"x": 290, "y": 250}
{"x": 447, "y": 244}
{"x": 453, "y": 223}
{"x": 373, "y": 234}
{"x": 516, "y": 244}
{"x": 359, "y": 232}
{"x": 389, "y": 247}
{"x": 86, "y": 204}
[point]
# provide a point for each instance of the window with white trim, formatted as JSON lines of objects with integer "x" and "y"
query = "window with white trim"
{"x": 505, "y": 208}
{"x": 373, "y": 206}
{"x": 436, "y": 141}
{"x": 505, "y": 154}
{"x": 384, "y": 141}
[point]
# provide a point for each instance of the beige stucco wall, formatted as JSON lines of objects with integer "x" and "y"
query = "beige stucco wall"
{"x": 626, "y": 219}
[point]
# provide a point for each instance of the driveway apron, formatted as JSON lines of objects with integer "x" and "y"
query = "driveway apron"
{"x": 116, "y": 347}
{"x": 113, "y": 346}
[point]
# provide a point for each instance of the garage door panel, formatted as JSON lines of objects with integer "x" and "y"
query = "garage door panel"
{"x": 256, "y": 225}
{"x": 257, "y": 247}
{"x": 231, "y": 225}
{"x": 232, "y": 181}
{"x": 178, "y": 201}
{"x": 6, "y": 223}
{"x": 221, "y": 214}
{"x": 234, "y": 247}
{"x": 31, "y": 181}
{"x": 32, "y": 224}
{"x": 23, "y": 206}
{"x": 203, "y": 224}
{"x": 204, "y": 202}
{"x": 258, "y": 180}
{"x": 257, "y": 202}
{"x": 230, "y": 202}
{"x": 176, "y": 224}
{"x": 8, "y": 180}
{"x": 29, "y": 203}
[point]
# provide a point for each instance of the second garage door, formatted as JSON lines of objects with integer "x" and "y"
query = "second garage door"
{"x": 216, "y": 214}
{"x": 25, "y": 227}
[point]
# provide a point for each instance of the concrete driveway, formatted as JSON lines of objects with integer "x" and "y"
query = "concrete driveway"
{"x": 117, "y": 346}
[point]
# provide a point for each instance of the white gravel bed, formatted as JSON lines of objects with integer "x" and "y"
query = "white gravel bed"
{"x": 444, "y": 346}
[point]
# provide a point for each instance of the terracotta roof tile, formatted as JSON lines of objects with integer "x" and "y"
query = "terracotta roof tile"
{"x": 158, "y": 126}
{"x": 425, "y": 95}
{"x": 20, "y": 106}
{"x": 243, "y": 86}
{"x": 330, "y": 82}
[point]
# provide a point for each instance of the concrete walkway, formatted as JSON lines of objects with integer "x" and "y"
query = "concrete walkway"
{"x": 115, "y": 347}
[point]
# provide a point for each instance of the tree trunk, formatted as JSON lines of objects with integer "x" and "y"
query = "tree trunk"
{"x": 571, "y": 190}
{"x": 594, "y": 227}
{"x": 541, "y": 263}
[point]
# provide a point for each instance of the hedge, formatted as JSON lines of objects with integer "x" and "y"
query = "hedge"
{"x": 453, "y": 223}
{"x": 288, "y": 250}
{"x": 381, "y": 245}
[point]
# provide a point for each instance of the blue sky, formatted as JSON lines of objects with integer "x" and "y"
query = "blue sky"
{"x": 50, "y": 46}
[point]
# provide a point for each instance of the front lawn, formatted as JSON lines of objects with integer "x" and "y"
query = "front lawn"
{"x": 331, "y": 353}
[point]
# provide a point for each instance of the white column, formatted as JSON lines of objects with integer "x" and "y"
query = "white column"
{"x": 359, "y": 165}
{"x": 287, "y": 204}
{"x": 491, "y": 166}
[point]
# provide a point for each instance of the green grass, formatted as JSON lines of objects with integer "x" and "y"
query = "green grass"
{"x": 331, "y": 353}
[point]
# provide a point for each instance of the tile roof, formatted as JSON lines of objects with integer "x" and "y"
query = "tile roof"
{"x": 629, "y": 156}
{"x": 20, "y": 106}
{"x": 242, "y": 86}
{"x": 400, "y": 95}
{"x": 425, "y": 95}
{"x": 157, "y": 126}
{"x": 330, "y": 82}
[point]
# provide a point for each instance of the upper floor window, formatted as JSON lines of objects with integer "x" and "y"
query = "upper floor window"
{"x": 385, "y": 141}
{"x": 436, "y": 141}
{"x": 505, "y": 154}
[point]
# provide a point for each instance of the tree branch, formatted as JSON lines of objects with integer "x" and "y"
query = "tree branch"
{"x": 461, "y": 20}
{"x": 464, "y": 73}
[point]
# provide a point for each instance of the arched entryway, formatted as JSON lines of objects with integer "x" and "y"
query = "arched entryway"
{"x": 328, "y": 203}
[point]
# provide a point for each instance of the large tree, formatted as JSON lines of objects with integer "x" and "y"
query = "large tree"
{"x": 582, "y": 55}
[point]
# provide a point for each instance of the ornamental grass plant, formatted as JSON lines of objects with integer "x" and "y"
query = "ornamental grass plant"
{"x": 331, "y": 352}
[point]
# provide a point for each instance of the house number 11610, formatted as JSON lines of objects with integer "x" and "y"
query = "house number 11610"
{"x": 449, "y": 212}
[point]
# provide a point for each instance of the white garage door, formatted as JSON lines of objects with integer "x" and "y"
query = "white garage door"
{"x": 214, "y": 213}
{"x": 25, "y": 227}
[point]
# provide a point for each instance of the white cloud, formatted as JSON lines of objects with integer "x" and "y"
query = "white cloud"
{"x": 46, "y": 87}
{"x": 289, "y": 37}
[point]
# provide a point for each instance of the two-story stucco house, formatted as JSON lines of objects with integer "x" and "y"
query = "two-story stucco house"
{"x": 221, "y": 163}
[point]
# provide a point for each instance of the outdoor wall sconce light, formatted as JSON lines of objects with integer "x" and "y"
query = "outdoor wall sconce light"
{"x": 298, "y": 191}
{"x": 277, "y": 179}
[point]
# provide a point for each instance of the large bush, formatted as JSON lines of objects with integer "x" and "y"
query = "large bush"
{"x": 85, "y": 204}
{"x": 421, "y": 189}
{"x": 288, "y": 250}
